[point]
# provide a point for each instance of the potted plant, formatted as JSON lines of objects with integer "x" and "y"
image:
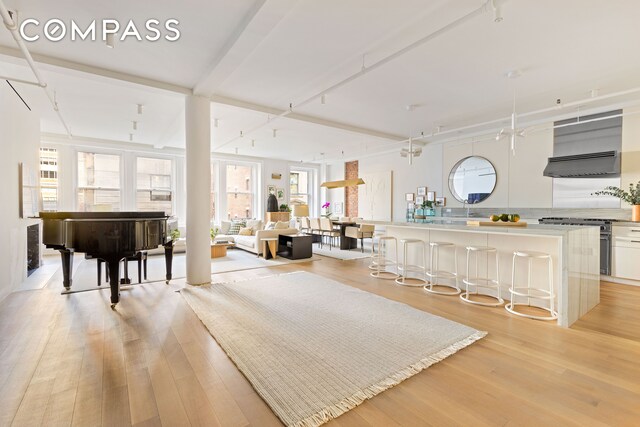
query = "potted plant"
{"x": 427, "y": 207}
{"x": 327, "y": 212}
{"x": 213, "y": 232}
{"x": 175, "y": 234}
{"x": 632, "y": 197}
{"x": 284, "y": 208}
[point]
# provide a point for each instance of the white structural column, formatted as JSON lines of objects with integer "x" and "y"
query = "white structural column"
{"x": 198, "y": 168}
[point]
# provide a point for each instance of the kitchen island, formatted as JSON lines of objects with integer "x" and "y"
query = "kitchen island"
{"x": 575, "y": 251}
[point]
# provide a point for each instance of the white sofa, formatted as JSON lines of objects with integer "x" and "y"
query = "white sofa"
{"x": 252, "y": 243}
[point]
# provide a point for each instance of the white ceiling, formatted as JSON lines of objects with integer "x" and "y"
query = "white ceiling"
{"x": 257, "y": 57}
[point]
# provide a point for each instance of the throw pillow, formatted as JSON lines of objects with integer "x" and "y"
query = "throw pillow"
{"x": 255, "y": 224}
{"x": 270, "y": 225}
{"x": 235, "y": 227}
{"x": 245, "y": 231}
{"x": 281, "y": 225}
{"x": 224, "y": 227}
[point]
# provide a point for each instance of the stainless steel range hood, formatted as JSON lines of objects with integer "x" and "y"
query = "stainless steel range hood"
{"x": 590, "y": 165}
{"x": 587, "y": 147}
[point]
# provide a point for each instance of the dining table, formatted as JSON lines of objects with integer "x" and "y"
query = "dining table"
{"x": 346, "y": 243}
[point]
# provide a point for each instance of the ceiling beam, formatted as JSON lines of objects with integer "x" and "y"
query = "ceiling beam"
{"x": 263, "y": 17}
{"x": 219, "y": 99}
{"x": 89, "y": 69}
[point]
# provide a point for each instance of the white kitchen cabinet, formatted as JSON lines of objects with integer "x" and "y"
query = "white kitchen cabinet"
{"x": 625, "y": 254}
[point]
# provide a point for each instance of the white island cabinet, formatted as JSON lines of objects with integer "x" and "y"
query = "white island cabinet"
{"x": 625, "y": 253}
{"x": 575, "y": 252}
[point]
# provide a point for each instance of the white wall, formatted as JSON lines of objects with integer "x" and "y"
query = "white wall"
{"x": 425, "y": 171}
{"x": 20, "y": 136}
{"x": 520, "y": 183}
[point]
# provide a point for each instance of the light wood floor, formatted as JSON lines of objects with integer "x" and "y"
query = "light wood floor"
{"x": 70, "y": 360}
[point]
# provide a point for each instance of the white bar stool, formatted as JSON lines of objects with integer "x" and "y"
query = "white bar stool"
{"x": 531, "y": 292}
{"x": 382, "y": 259}
{"x": 405, "y": 269}
{"x": 478, "y": 282}
{"x": 434, "y": 274}
{"x": 377, "y": 234}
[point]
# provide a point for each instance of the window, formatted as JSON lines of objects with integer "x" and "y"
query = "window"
{"x": 239, "y": 191}
{"x": 98, "y": 182}
{"x": 49, "y": 178}
{"x": 299, "y": 187}
{"x": 153, "y": 185}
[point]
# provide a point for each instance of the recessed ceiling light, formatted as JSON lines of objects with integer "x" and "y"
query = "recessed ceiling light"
{"x": 513, "y": 74}
{"x": 497, "y": 13}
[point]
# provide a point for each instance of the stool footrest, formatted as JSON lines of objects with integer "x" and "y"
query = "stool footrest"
{"x": 455, "y": 290}
{"x": 441, "y": 274}
{"x": 481, "y": 282}
{"x": 531, "y": 293}
{"x": 402, "y": 281}
{"x": 466, "y": 297}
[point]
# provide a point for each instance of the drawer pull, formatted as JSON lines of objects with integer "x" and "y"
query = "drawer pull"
{"x": 635, "y": 231}
{"x": 635, "y": 241}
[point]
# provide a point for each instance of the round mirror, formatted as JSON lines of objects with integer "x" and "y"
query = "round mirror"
{"x": 472, "y": 180}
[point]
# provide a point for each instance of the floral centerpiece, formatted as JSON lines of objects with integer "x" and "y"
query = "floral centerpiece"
{"x": 213, "y": 231}
{"x": 327, "y": 212}
{"x": 632, "y": 197}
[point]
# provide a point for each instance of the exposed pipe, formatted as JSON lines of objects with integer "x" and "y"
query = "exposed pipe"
{"x": 13, "y": 29}
{"x": 531, "y": 113}
{"x": 26, "y": 82}
{"x": 364, "y": 70}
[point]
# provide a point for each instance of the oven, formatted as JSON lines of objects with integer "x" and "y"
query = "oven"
{"x": 605, "y": 236}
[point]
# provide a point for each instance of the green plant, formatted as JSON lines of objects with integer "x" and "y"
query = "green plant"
{"x": 284, "y": 208}
{"x": 632, "y": 196}
{"x": 213, "y": 231}
{"x": 427, "y": 204}
{"x": 175, "y": 233}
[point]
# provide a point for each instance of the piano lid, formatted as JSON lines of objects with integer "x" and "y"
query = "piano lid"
{"x": 103, "y": 215}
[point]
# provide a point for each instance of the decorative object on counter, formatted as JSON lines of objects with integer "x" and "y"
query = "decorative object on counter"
{"x": 272, "y": 203}
{"x": 479, "y": 223}
{"x": 441, "y": 201}
{"x": 421, "y": 191}
{"x": 431, "y": 196}
{"x": 427, "y": 207}
{"x": 409, "y": 197}
{"x": 419, "y": 200}
{"x": 632, "y": 197}
{"x": 284, "y": 208}
{"x": 475, "y": 173}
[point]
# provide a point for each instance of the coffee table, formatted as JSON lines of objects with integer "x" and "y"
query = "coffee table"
{"x": 219, "y": 250}
{"x": 269, "y": 247}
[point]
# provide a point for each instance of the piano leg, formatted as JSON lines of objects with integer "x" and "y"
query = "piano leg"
{"x": 168, "y": 258}
{"x": 114, "y": 280}
{"x": 67, "y": 267}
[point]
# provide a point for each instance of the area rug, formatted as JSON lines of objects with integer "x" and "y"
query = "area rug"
{"x": 338, "y": 253}
{"x": 85, "y": 271}
{"x": 314, "y": 348}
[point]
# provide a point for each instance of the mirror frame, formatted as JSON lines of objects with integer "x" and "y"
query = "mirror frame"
{"x": 455, "y": 168}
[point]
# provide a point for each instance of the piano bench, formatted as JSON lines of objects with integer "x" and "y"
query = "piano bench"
{"x": 141, "y": 257}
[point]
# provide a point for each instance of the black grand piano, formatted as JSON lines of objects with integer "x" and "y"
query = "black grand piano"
{"x": 110, "y": 236}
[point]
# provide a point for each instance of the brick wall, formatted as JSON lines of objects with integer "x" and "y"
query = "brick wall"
{"x": 351, "y": 193}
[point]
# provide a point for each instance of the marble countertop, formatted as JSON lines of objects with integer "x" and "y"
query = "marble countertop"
{"x": 460, "y": 224}
{"x": 626, "y": 224}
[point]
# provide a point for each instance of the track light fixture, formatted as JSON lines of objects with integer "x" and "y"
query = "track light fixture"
{"x": 253, "y": 142}
{"x": 140, "y": 107}
{"x": 130, "y": 137}
{"x": 134, "y": 125}
{"x": 216, "y": 122}
{"x": 275, "y": 132}
{"x": 323, "y": 99}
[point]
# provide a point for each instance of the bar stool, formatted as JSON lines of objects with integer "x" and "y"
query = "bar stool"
{"x": 434, "y": 274}
{"x": 405, "y": 268}
{"x": 381, "y": 260}
{"x": 532, "y": 292}
{"x": 481, "y": 282}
